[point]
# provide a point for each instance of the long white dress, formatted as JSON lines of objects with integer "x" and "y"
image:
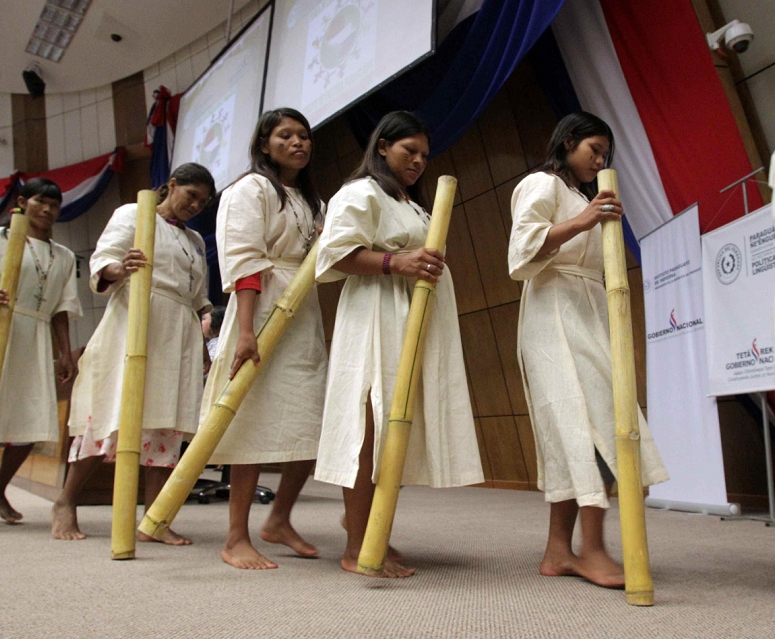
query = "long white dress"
{"x": 173, "y": 384}
{"x": 370, "y": 324}
{"x": 28, "y": 403}
{"x": 279, "y": 420}
{"x": 563, "y": 347}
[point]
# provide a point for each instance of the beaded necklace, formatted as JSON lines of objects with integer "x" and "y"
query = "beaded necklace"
{"x": 309, "y": 224}
{"x": 42, "y": 274}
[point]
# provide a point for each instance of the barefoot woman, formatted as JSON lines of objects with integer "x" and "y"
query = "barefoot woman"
{"x": 267, "y": 222}
{"x": 46, "y": 296}
{"x": 563, "y": 344}
{"x": 375, "y": 231}
{"x": 173, "y": 385}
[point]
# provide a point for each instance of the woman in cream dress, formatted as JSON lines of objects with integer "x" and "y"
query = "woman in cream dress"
{"x": 267, "y": 222}
{"x": 375, "y": 233}
{"x": 46, "y": 298}
{"x": 563, "y": 343}
{"x": 173, "y": 386}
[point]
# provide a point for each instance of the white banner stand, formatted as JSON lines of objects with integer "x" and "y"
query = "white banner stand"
{"x": 682, "y": 417}
{"x": 739, "y": 275}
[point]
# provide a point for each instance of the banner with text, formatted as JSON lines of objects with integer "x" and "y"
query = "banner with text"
{"x": 682, "y": 418}
{"x": 739, "y": 285}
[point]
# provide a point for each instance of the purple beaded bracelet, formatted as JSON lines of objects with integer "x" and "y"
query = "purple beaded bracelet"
{"x": 386, "y": 263}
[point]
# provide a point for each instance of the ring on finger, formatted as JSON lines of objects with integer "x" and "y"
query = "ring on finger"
{"x": 429, "y": 267}
{"x": 607, "y": 208}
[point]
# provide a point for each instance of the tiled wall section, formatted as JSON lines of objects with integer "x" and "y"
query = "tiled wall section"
{"x": 6, "y": 136}
{"x": 79, "y": 125}
{"x": 178, "y": 71}
{"x": 492, "y": 157}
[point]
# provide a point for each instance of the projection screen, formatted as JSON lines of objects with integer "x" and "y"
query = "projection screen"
{"x": 218, "y": 113}
{"x": 326, "y": 54}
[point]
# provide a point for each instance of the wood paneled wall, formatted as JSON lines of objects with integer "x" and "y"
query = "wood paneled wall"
{"x": 30, "y": 150}
{"x": 505, "y": 144}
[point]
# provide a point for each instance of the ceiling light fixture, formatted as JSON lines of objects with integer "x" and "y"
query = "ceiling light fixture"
{"x": 55, "y": 28}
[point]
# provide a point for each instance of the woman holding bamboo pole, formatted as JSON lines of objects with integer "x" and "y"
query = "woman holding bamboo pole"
{"x": 563, "y": 344}
{"x": 176, "y": 353}
{"x": 374, "y": 235}
{"x": 267, "y": 223}
{"x": 47, "y": 297}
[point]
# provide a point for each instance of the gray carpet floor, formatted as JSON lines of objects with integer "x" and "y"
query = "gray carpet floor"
{"x": 477, "y": 552}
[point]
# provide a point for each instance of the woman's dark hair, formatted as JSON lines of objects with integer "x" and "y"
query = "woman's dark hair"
{"x": 574, "y": 128}
{"x": 216, "y": 319}
{"x": 393, "y": 127}
{"x": 188, "y": 173}
{"x": 43, "y": 187}
{"x": 263, "y": 164}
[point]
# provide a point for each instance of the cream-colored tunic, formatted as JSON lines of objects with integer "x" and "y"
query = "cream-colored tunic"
{"x": 28, "y": 402}
{"x": 370, "y": 324}
{"x": 563, "y": 347}
{"x": 173, "y": 378}
{"x": 279, "y": 420}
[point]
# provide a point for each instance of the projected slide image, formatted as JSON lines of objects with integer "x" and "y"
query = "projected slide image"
{"x": 341, "y": 46}
{"x": 326, "y": 54}
{"x": 212, "y": 137}
{"x": 220, "y": 110}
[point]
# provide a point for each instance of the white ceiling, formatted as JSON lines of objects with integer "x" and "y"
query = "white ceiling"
{"x": 151, "y": 30}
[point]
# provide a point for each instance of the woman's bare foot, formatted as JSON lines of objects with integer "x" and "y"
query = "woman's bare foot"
{"x": 241, "y": 554}
{"x": 598, "y": 568}
{"x": 393, "y": 554}
{"x": 170, "y": 537}
{"x": 284, "y": 533}
{"x": 390, "y": 569}
{"x": 7, "y": 512}
{"x": 558, "y": 564}
{"x": 64, "y": 523}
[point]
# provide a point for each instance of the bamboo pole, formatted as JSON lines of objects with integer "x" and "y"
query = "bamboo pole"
{"x": 176, "y": 490}
{"x": 127, "y": 472}
{"x": 391, "y": 470}
{"x": 639, "y": 588}
{"x": 9, "y": 280}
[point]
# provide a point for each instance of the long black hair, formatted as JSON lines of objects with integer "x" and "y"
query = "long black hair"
{"x": 573, "y": 129}
{"x": 393, "y": 127}
{"x": 263, "y": 164}
{"x": 188, "y": 173}
{"x": 43, "y": 187}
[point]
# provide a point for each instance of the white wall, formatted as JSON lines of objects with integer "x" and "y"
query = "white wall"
{"x": 79, "y": 126}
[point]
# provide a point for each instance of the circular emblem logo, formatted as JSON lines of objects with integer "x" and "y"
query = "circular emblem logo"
{"x": 729, "y": 263}
{"x": 340, "y": 37}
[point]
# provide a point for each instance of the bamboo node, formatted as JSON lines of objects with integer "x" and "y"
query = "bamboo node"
{"x": 634, "y": 435}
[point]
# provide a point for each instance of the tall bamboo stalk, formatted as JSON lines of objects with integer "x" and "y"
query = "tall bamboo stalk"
{"x": 639, "y": 588}
{"x": 127, "y": 472}
{"x": 9, "y": 281}
{"x": 162, "y": 512}
{"x": 391, "y": 469}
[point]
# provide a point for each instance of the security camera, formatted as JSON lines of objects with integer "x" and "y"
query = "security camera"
{"x": 737, "y": 35}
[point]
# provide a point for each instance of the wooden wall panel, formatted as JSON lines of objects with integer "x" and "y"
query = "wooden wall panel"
{"x": 502, "y": 145}
{"x": 526, "y": 438}
{"x": 129, "y": 110}
{"x": 328, "y": 294}
{"x": 440, "y": 165}
{"x": 483, "y": 452}
{"x": 472, "y": 170}
{"x": 30, "y": 146}
{"x": 504, "y": 323}
{"x": 483, "y": 365}
{"x": 491, "y": 244}
{"x": 504, "y": 452}
{"x": 461, "y": 259}
{"x": 504, "y": 193}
